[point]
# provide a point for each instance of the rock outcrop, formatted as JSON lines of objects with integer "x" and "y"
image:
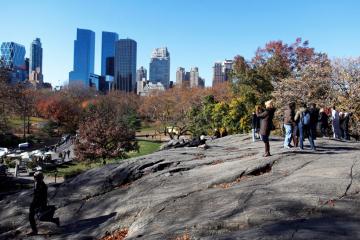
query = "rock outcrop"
{"x": 228, "y": 191}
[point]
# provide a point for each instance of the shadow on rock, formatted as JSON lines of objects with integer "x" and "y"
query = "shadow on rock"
{"x": 84, "y": 224}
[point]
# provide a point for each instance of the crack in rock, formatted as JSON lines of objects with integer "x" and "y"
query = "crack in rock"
{"x": 150, "y": 164}
{"x": 351, "y": 180}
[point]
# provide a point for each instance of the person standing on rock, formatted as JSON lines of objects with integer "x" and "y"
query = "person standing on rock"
{"x": 335, "y": 122}
{"x": 324, "y": 125}
{"x": 314, "y": 118}
{"x": 255, "y": 124}
{"x": 303, "y": 115}
{"x": 266, "y": 125}
{"x": 347, "y": 117}
{"x": 39, "y": 203}
{"x": 289, "y": 115}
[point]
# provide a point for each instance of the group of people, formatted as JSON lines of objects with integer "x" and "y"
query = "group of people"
{"x": 63, "y": 155}
{"x": 299, "y": 124}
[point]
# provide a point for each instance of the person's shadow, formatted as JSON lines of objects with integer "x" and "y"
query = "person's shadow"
{"x": 81, "y": 225}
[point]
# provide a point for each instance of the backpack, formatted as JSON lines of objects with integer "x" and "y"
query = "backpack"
{"x": 305, "y": 118}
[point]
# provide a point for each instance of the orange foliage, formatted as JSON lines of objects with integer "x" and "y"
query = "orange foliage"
{"x": 116, "y": 235}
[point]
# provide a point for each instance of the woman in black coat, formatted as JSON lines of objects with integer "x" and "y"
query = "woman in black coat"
{"x": 267, "y": 125}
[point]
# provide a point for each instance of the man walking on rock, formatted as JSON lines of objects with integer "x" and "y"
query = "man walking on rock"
{"x": 39, "y": 204}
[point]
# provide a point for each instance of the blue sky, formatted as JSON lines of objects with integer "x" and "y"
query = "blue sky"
{"x": 197, "y": 33}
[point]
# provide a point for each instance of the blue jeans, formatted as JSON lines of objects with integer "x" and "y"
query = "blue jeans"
{"x": 306, "y": 130}
{"x": 254, "y": 133}
{"x": 288, "y": 135}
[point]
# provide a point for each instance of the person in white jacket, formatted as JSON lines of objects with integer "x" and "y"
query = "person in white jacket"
{"x": 335, "y": 122}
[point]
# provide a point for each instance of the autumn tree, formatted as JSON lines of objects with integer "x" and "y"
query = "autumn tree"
{"x": 312, "y": 84}
{"x": 201, "y": 116}
{"x": 278, "y": 60}
{"x": 61, "y": 110}
{"x": 106, "y": 130}
{"x": 345, "y": 82}
{"x": 169, "y": 109}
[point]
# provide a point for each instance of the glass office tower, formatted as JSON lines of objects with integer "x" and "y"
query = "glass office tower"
{"x": 107, "y": 51}
{"x": 160, "y": 67}
{"x": 125, "y": 65}
{"x": 13, "y": 55}
{"x": 84, "y": 54}
{"x": 36, "y": 54}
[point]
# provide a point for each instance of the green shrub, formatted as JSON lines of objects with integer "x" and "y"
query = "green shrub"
{"x": 73, "y": 173}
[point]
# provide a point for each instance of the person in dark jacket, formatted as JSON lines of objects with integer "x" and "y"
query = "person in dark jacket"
{"x": 266, "y": 125}
{"x": 255, "y": 124}
{"x": 324, "y": 122}
{"x": 314, "y": 118}
{"x": 289, "y": 115}
{"x": 345, "y": 125}
{"x": 304, "y": 129}
{"x": 39, "y": 202}
{"x": 341, "y": 124}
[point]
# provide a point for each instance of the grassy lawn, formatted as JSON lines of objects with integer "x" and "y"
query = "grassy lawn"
{"x": 146, "y": 147}
{"x": 74, "y": 168}
{"x": 17, "y": 121}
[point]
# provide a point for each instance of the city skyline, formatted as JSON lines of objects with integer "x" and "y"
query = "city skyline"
{"x": 213, "y": 35}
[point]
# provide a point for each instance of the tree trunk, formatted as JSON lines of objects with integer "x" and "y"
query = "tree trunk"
{"x": 24, "y": 122}
{"x": 28, "y": 124}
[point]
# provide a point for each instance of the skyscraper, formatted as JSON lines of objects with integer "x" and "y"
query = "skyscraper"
{"x": 218, "y": 76}
{"x": 125, "y": 65}
{"x": 141, "y": 80}
{"x": 227, "y": 68}
{"x": 84, "y": 54}
{"x": 141, "y": 74}
{"x": 194, "y": 77}
{"x": 35, "y": 65}
{"x": 160, "y": 66}
{"x": 222, "y": 71}
{"x": 180, "y": 76}
{"x": 107, "y": 51}
{"x": 13, "y": 55}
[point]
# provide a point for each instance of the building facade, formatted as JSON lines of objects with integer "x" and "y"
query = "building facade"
{"x": 110, "y": 64}
{"x": 218, "y": 75}
{"x": 160, "y": 67}
{"x": 125, "y": 65}
{"x": 141, "y": 74}
{"x": 194, "y": 77}
{"x": 227, "y": 68}
{"x": 13, "y": 57}
{"x": 190, "y": 79}
{"x": 221, "y": 71}
{"x": 148, "y": 88}
{"x": 108, "y": 52}
{"x": 141, "y": 80}
{"x": 36, "y": 60}
{"x": 84, "y": 57}
{"x": 180, "y": 77}
{"x": 98, "y": 82}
